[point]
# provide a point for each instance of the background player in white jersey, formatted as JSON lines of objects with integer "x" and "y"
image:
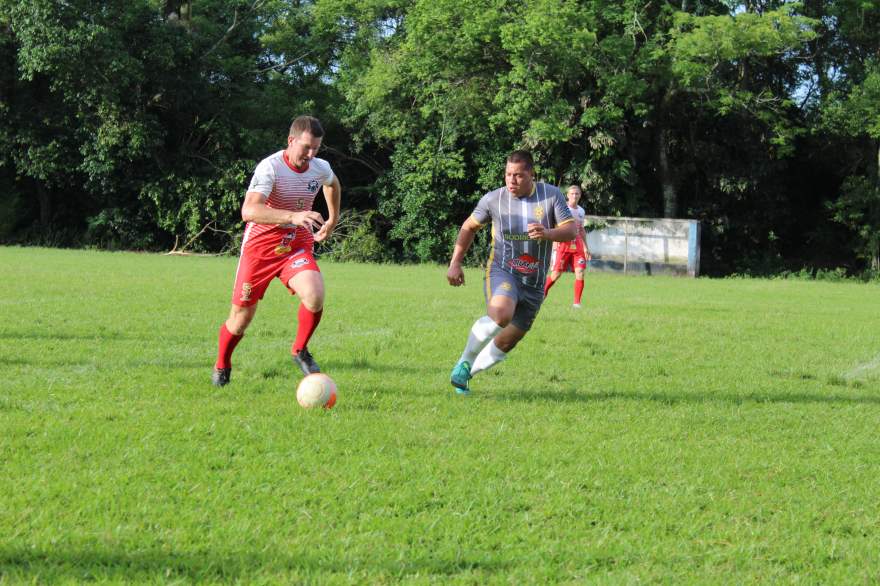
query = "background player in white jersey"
{"x": 281, "y": 229}
{"x": 526, "y": 217}
{"x": 574, "y": 254}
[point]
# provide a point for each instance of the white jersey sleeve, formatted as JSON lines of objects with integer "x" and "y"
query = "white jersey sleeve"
{"x": 323, "y": 167}
{"x": 263, "y": 180}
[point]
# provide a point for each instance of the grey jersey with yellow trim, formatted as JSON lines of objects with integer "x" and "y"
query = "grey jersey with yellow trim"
{"x": 512, "y": 250}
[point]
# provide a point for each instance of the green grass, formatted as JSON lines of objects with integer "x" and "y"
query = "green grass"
{"x": 696, "y": 431}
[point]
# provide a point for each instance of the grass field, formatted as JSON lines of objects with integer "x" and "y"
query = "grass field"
{"x": 673, "y": 431}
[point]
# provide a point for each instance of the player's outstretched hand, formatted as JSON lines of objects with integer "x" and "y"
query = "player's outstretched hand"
{"x": 455, "y": 275}
{"x": 537, "y": 231}
{"x": 311, "y": 220}
{"x": 325, "y": 231}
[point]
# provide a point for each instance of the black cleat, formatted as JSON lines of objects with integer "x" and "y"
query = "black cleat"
{"x": 303, "y": 359}
{"x": 220, "y": 377}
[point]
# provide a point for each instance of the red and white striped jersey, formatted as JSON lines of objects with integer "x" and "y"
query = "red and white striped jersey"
{"x": 579, "y": 214}
{"x": 286, "y": 188}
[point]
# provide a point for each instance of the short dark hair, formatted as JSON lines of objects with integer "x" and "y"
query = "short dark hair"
{"x": 308, "y": 124}
{"x": 521, "y": 157}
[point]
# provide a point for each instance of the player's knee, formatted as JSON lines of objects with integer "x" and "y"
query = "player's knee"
{"x": 312, "y": 297}
{"x": 310, "y": 288}
{"x": 579, "y": 274}
{"x": 313, "y": 303}
{"x": 239, "y": 319}
{"x": 500, "y": 317}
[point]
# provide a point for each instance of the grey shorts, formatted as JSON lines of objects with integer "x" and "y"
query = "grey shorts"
{"x": 528, "y": 299}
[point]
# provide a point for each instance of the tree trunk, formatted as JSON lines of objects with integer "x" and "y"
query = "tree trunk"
{"x": 45, "y": 205}
{"x": 817, "y": 9}
{"x": 667, "y": 182}
{"x": 695, "y": 184}
{"x": 875, "y": 262}
{"x": 667, "y": 174}
{"x": 877, "y": 168}
{"x": 562, "y": 168}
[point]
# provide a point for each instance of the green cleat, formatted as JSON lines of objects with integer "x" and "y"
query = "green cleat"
{"x": 461, "y": 374}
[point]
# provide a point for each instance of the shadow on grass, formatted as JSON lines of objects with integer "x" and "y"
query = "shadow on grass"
{"x": 375, "y": 365}
{"x": 42, "y": 361}
{"x": 95, "y": 564}
{"x": 50, "y": 361}
{"x": 92, "y": 337}
{"x": 4, "y": 361}
{"x": 679, "y": 397}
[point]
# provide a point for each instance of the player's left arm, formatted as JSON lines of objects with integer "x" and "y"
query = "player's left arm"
{"x": 564, "y": 232}
{"x": 333, "y": 197}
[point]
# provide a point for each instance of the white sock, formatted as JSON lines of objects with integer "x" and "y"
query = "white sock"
{"x": 489, "y": 357}
{"x": 483, "y": 330}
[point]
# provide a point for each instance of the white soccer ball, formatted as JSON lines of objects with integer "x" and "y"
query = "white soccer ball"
{"x": 316, "y": 390}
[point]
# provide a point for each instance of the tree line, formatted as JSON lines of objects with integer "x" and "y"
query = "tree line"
{"x": 136, "y": 123}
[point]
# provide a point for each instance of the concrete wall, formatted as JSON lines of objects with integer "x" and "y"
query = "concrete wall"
{"x": 644, "y": 245}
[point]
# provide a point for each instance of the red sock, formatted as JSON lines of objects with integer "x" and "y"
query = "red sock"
{"x": 307, "y": 323}
{"x": 547, "y": 284}
{"x": 227, "y": 341}
{"x": 578, "y": 291}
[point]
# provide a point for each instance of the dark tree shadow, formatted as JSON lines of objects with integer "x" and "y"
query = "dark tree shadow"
{"x": 377, "y": 365}
{"x": 79, "y": 565}
{"x": 681, "y": 397}
{"x": 93, "y": 337}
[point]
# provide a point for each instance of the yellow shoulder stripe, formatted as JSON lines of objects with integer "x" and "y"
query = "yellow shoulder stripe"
{"x": 476, "y": 222}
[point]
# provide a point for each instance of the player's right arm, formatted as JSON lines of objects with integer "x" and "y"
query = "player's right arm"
{"x": 582, "y": 233}
{"x": 254, "y": 209}
{"x": 455, "y": 274}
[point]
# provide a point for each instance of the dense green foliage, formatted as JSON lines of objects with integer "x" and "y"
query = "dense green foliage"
{"x": 136, "y": 124}
{"x": 709, "y": 431}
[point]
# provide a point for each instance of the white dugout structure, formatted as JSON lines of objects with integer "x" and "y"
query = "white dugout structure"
{"x": 643, "y": 246}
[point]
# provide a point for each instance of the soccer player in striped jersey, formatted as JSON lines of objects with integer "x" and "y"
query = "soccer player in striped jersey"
{"x": 527, "y": 216}
{"x": 278, "y": 239}
{"x": 574, "y": 254}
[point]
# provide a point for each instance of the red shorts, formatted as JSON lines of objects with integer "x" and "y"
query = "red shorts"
{"x": 566, "y": 258}
{"x": 263, "y": 260}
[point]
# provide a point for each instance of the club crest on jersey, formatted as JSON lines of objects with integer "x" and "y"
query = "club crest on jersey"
{"x": 524, "y": 264}
{"x": 246, "y": 289}
{"x": 284, "y": 247}
{"x": 313, "y": 185}
{"x": 539, "y": 212}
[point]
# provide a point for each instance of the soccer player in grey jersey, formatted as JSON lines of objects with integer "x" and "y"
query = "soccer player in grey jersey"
{"x": 527, "y": 216}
